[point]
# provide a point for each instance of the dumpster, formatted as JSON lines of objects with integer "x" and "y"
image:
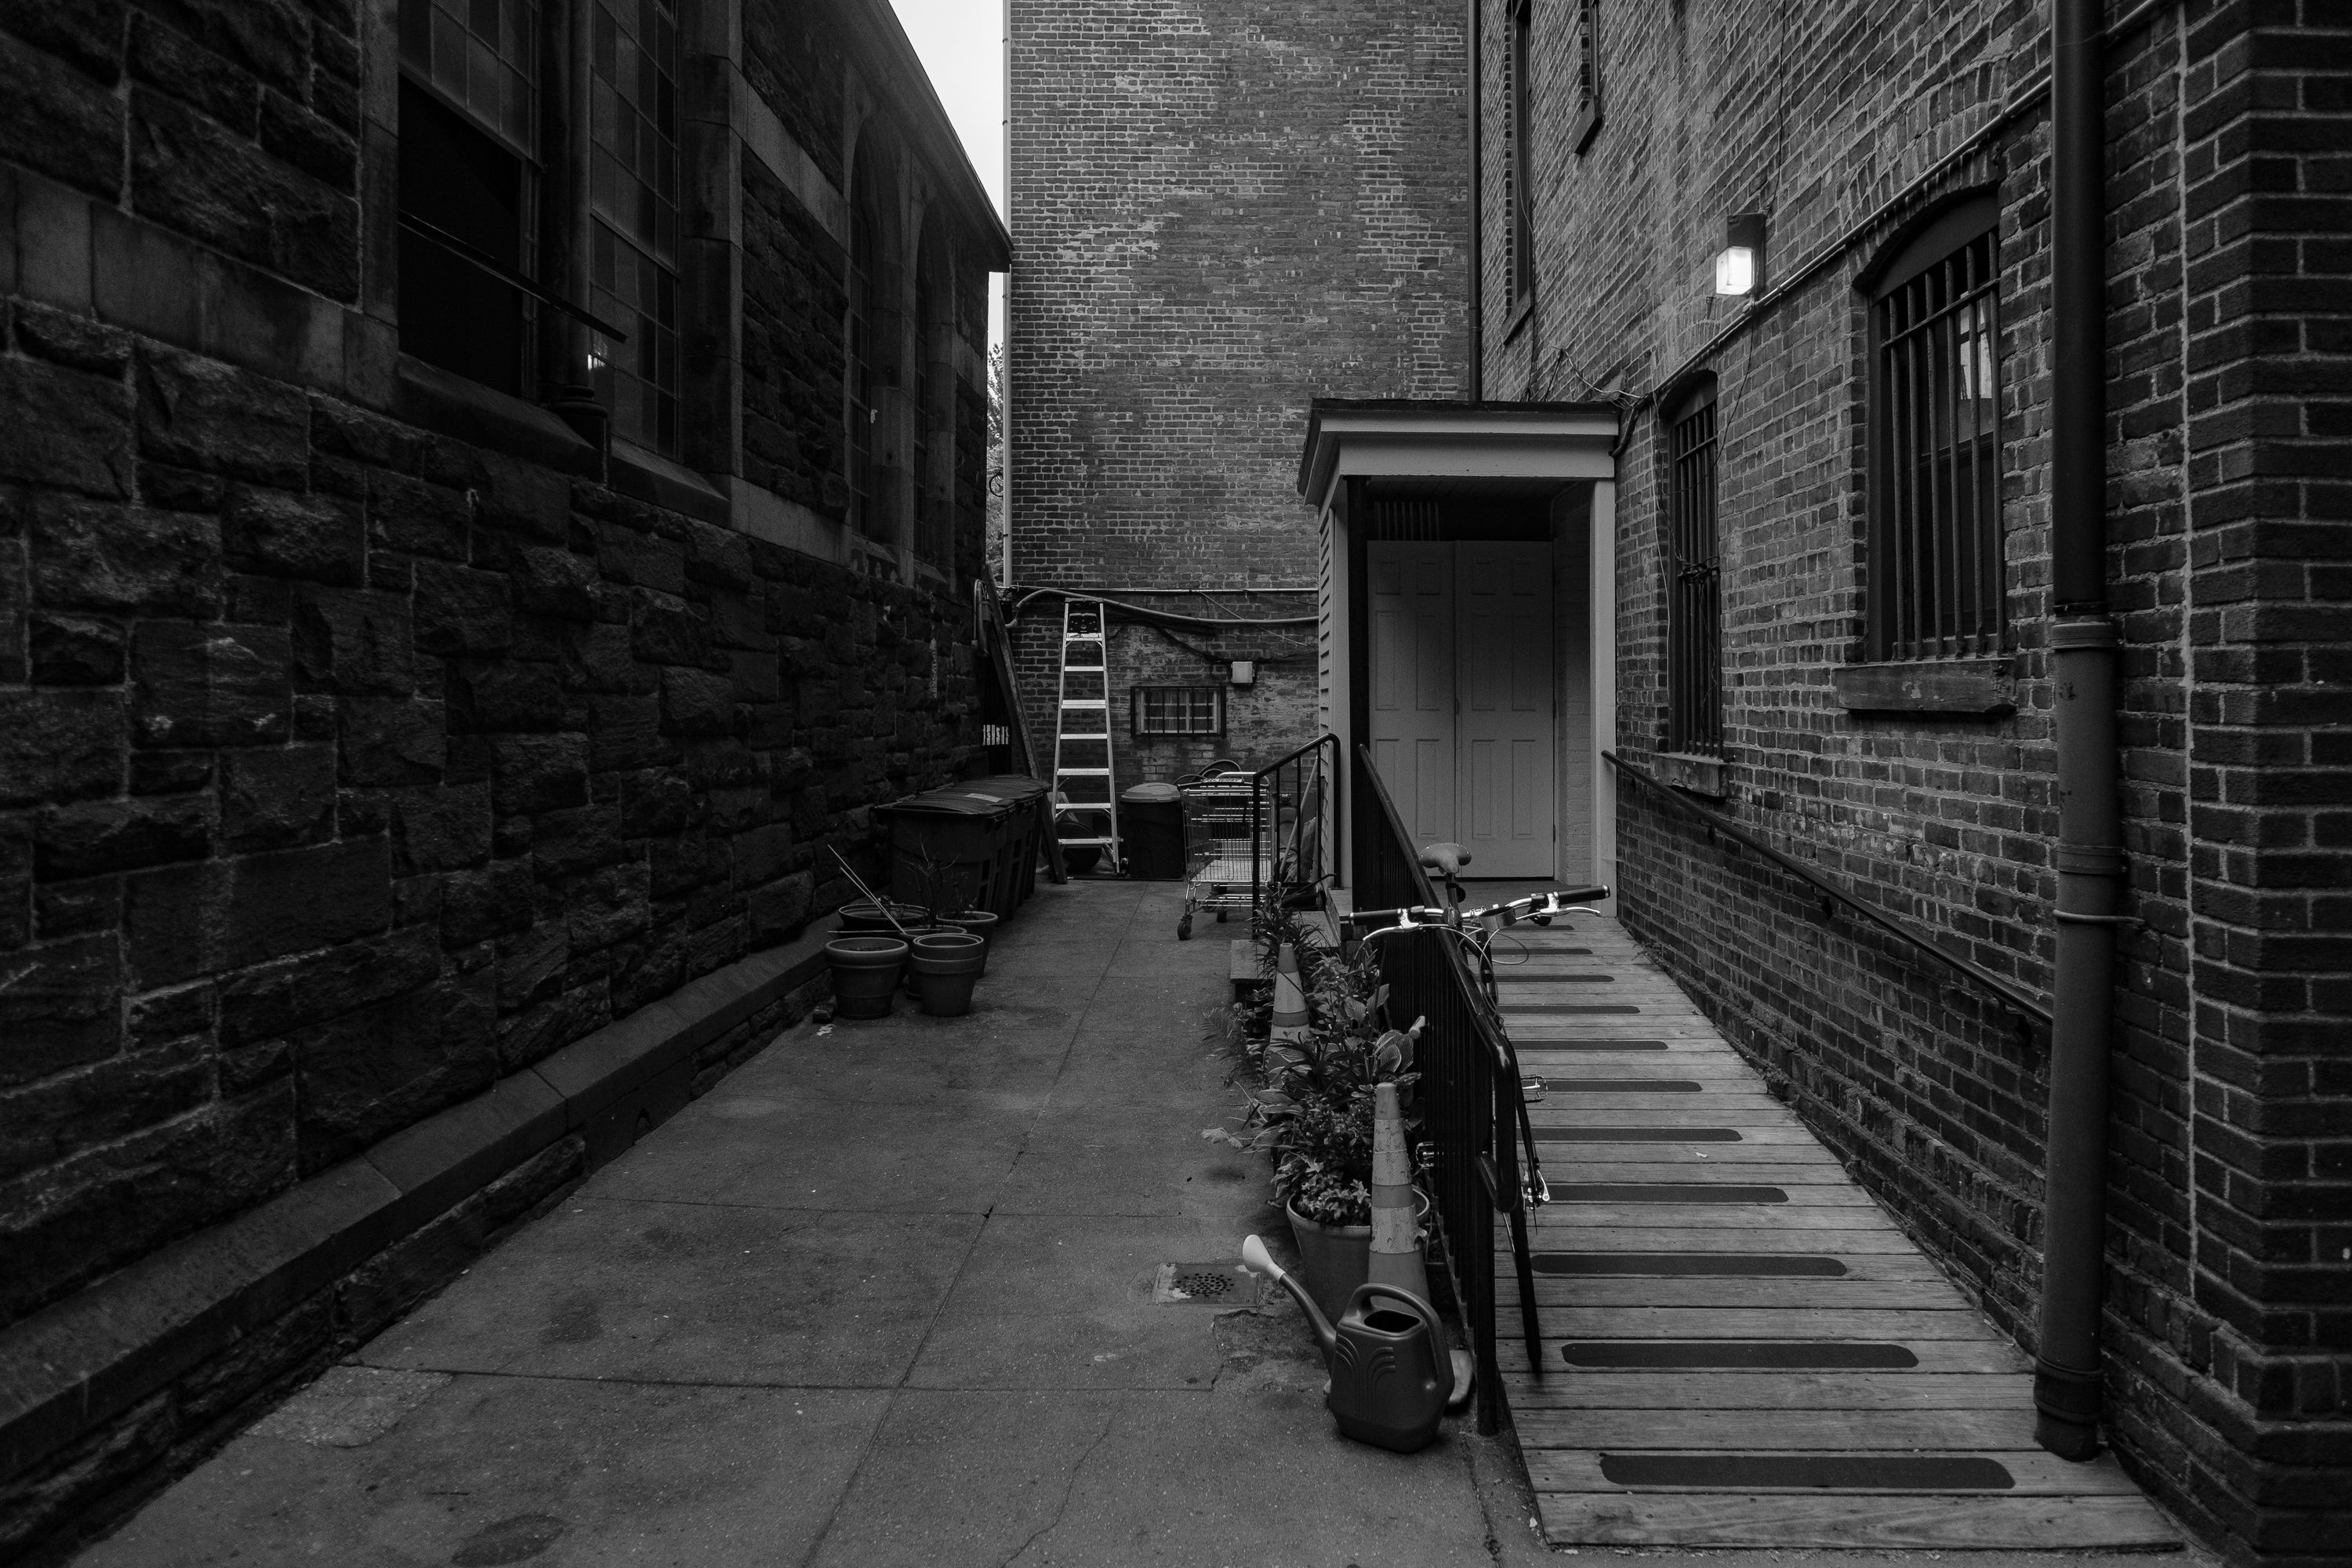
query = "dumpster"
{"x": 1151, "y": 824}
{"x": 946, "y": 847}
{"x": 1017, "y": 873}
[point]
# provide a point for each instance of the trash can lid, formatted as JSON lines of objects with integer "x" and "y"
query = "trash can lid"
{"x": 1145, "y": 792}
{"x": 945, "y": 803}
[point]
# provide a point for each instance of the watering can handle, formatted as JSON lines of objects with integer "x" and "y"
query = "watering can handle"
{"x": 1442, "y": 1348}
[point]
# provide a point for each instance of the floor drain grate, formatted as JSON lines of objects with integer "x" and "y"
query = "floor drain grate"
{"x": 1203, "y": 1284}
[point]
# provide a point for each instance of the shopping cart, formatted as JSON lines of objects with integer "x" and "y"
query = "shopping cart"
{"x": 1224, "y": 842}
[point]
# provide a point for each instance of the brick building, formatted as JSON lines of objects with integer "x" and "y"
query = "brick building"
{"x": 1802, "y": 573}
{"x": 489, "y": 495}
{"x": 1220, "y": 210}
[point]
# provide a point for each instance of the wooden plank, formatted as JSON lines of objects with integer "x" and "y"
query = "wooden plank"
{"x": 1743, "y": 1218}
{"x": 1935, "y": 1357}
{"x": 1668, "y": 1131}
{"x": 1850, "y": 1293}
{"x": 1957, "y": 1524}
{"x": 2033, "y": 1472}
{"x": 1850, "y": 1247}
{"x": 1665, "y": 1110}
{"x": 1803, "y": 1183}
{"x": 1561, "y": 1389}
{"x": 1840, "y": 1431}
{"x": 1687, "y": 1160}
{"x": 1722, "y": 1109}
{"x": 1842, "y": 1323}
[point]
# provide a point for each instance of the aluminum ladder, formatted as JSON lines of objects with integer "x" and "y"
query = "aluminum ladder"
{"x": 1082, "y": 761}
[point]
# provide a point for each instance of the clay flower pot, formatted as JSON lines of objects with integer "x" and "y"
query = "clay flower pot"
{"x": 946, "y": 965}
{"x": 866, "y": 972}
{"x": 980, "y": 923}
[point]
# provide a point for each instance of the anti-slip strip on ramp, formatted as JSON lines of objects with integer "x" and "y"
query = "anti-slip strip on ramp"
{"x": 1638, "y": 1135}
{"x": 1823, "y": 1472}
{"x": 1713, "y": 1264}
{"x": 1663, "y": 1193}
{"x": 1624, "y": 1085}
{"x": 1836, "y": 1355}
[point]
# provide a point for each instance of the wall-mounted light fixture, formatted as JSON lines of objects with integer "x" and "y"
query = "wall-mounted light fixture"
{"x": 1739, "y": 264}
{"x": 1243, "y": 672}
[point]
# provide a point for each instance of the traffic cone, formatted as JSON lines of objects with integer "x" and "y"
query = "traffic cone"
{"x": 1289, "y": 1001}
{"x": 1396, "y": 1225}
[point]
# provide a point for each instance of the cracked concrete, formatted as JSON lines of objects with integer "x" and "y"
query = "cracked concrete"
{"x": 872, "y": 1300}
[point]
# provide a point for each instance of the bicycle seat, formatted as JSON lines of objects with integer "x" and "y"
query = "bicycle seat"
{"x": 1445, "y": 858}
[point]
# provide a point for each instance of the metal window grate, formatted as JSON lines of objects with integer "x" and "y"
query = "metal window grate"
{"x": 1695, "y": 603}
{"x": 633, "y": 189}
{"x": 1179, "y": 710}
{"x": 1936, "y": 577}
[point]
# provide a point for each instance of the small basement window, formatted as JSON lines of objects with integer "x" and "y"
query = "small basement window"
{"x": 1179, "y": 710}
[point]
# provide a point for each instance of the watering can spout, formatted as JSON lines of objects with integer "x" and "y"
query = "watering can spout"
{"x": 1255, "y": 1258}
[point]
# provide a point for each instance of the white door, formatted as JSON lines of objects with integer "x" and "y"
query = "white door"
{"x": 1411, "y": 601}
{"x": 1505, "y": 797}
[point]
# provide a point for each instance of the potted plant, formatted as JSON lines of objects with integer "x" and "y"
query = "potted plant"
{"x": 1313, "y": 1110}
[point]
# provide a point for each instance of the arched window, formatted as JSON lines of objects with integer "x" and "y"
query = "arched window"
{"x": 866, "y": 505}
{"x": 933, "y": 435}
{"x": 1693, "y": 578}
{"x": 1937, "y": 586}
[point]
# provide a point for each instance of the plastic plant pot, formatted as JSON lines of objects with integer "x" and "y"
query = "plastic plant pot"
{"x": 861, "y": 917}
{"x": 946, "y": 965}
{"x": 1334, "y": 1259}
{"x": 866, "y": 971}
{"x": 982, "y": 923}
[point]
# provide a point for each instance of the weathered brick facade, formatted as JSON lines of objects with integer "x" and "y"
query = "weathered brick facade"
{"x": 367, "y": 736}
{"x": 2228, "y": 1263}
{"x": 1221, "y": 211}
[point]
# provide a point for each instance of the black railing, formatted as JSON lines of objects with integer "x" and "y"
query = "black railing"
{"x": 1469, "y": 1088}
{"x": 1295, "y": 820}
{"x": 2011, "y": 997}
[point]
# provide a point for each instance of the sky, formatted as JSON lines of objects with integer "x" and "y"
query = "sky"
{"x": 961, "y": 42}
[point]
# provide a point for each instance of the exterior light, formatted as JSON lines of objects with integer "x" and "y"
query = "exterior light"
{"x": 1740, "y": 265}
{"x": 1244, "y": 672}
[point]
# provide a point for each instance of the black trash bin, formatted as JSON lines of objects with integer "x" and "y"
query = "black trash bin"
{"x": 1151, "y": 831}
{"x": 946, "y": 849}
{"x": 1016, "y": 875}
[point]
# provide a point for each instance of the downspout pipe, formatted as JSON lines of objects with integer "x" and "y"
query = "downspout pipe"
{"x": 1476, "y": 380}
{"x": 2083, "y": 654}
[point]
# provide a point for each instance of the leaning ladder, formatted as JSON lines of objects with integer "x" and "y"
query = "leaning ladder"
{"x": 1082, "y": 766}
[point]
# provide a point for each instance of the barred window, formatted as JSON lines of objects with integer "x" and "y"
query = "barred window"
{"x": 1694, "y": 597}
{"x": 1584, "y": 48}
{"x": 1937, "y": 582}
{"x": 1179, "y": 710}
{"x": 633, "y": 191}
{"x": 1519, "y": 167}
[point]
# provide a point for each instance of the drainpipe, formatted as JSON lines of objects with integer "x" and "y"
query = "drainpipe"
{"x": 1478, "y": 380}
{"x": 2082, "y": 645}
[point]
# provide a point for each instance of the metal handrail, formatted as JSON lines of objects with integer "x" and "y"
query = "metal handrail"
{"x": 2012, "y": 998}
{"x": 1265, "y": 820}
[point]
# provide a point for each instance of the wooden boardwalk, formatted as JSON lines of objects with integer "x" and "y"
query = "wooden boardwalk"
{"x": 1739, "y": 1347}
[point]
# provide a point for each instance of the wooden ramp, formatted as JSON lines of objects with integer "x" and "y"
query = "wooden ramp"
{"x": 1740, "y": 1349}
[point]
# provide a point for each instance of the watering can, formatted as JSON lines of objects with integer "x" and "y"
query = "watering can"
{"x": 1392, "y": 1371}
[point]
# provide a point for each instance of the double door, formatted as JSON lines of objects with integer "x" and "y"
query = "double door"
{"x": 1461, "y": 702}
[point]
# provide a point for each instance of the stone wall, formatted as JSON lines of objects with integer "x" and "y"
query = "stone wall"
{"x": 1221, "y": 210}
{"x": 2225, "y": 511}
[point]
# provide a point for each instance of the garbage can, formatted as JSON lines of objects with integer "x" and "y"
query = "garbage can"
{"x": 946, "y": 847}
{"x": 1017, "y": 873}
{"x": 1151, "y": 831}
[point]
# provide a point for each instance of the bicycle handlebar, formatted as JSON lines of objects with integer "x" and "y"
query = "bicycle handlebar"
{"x": 1547, "y": 904}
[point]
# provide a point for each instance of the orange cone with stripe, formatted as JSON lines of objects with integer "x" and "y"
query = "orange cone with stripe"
{"x": 1289, "y": 1001}
{"x": 1396, "y": 1221}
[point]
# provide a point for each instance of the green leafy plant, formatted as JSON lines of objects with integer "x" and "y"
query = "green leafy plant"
{"x": 1313, "y": 1110}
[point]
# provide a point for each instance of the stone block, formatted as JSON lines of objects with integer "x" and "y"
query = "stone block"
{"x": 760, "y": 855}
{"x": 478, "y": 905}
{"x": 74, "y": 341}
{"x": 667, "y": 630}
{"x": 166, "y": 937}
{"x": 389, "y": 742}
{"x": 73, "y": 909}
{"x": 555, "y": 583}
{"x": 279, "y": 998}
{"x": 126, "y": 1093}
{"x": 277, "y": 798}
{"x": 99, "y": 837}
{"x": 626, "y": 732}
{"x": 192, "y": 173}
{"x": 163, "y": 57}
{"x": 417, "y": 518}
{"x": 524, "y": 498}
{"x": 58, "y": 121}
{"x": 200, "y": 414}
{"x": 505, "y": 695}
{"x": 567, "y": 843}
{"x": 373, "y": 1071}
{"x": 65, "y": 429}
{"x": 170, "y": 772}
{"x": 57, "y": 746}
{"x": 319, "y": 538}
{"x": 609, "y": 906}
{"x": 89, "y": 555}
{"x": 291, "y": 901}
{"x": 778, "y": 911}
{"x": 697, "y": 703}
{"x": 654, "y": 803}
{"x": 349, "y": 639}
{"x": 538, "y": 772}
{"x": 603, "y": 658}
{"x": 63, "y": 1009}
{"x": 531, "y": 1034}
{"x": 440, "y": 830}
{"x": 209, "y": 686}
{"x": 677, "y": 866}
{"x": 308, "y": 142}
{"x": 73, "y": 650}
{"x": 531, "y": 964}
{"x": 462, "y": 612}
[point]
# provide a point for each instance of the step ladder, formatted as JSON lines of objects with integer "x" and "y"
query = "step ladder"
{"x": 1082, "y": 764}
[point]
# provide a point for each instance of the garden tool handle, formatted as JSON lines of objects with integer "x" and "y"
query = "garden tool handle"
{"x": 1441, "y": 1353}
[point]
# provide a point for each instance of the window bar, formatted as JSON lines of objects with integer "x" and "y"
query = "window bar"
{"x": 1948, "y": 468}
{"x": 1990, "y": 555}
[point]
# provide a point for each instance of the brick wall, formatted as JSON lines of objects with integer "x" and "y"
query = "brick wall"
{"x": 1221, "y": 211}
{"x": 2226, "y": 525}
{"x": 365, "y": 738}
